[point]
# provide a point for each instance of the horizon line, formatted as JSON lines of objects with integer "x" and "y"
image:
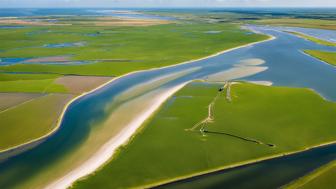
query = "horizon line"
{"x": 172, "y": 7}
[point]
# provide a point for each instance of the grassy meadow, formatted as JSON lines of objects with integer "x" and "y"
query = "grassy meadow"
{"x": 119, "y": 49}
{"x": 166, "y": 148}
{"x": 329, "y": 57}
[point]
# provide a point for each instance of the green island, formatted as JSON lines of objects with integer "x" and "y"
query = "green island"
{"x": 328, "y": 57}
{"x": 314, "y": 39}
{"x": 208, "y": 129}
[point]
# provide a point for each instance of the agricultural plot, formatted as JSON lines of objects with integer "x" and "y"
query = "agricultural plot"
{"x": 31, "y": 120}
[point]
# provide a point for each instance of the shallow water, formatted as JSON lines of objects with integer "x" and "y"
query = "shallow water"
{"x": 10, "y": 61}
{"x": 62, "y": 45}
{"x": 287, "y": 66}
{"x": 10, "y": 27}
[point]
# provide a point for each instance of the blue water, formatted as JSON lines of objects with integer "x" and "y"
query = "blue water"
{"x": 11, "y": 27}
{"x": 288, "y": 66}
{"x": 10, "y": 61}
{"x": 62, "y": 45}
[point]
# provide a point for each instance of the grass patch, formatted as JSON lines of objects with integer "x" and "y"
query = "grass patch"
{"x": 165, "y": 149}
{"x": 15, "y": 77}
{"x": 32, "y": 86}
{"x": 329, "y": 57}
{"x": 30, "y": 120}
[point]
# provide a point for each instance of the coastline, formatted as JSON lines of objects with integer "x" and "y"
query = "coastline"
{"x": 27, "y": 144}
{"x": 234, "y": 165}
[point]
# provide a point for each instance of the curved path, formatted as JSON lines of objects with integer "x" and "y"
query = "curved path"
{"x": 93, "y": 120}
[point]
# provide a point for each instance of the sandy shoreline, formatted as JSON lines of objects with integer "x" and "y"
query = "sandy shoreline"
{"x": 107, "y": 150}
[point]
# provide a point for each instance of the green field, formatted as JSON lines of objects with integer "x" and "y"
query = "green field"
{"x": 31, "y": 120}
{"x": 119, "y": 50}
{"x": 37, "y": 86}
{"x": 329, "y": 57}
{"x": 37, "y": 83}
{"x": 166, "y": 148}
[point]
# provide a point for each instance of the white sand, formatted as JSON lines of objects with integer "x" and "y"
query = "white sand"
{"x": 235, "y": 73}
{"x": 252, "y": 62}
{"x": 106, "y": 151}
{"x": 265, "y": 83}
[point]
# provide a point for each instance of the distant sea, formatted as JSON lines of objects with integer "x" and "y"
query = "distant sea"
{"x": 23, "y": 12}
{"x": 118, "y": 12}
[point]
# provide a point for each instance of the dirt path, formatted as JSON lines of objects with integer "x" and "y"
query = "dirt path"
{"x": 211, "y": 117}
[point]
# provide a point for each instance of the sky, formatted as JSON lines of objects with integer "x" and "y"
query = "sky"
{"x": 166, "y": 3}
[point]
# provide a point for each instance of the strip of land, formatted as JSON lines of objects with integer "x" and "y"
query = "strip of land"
{"x": 296, "y": 22}
{"x": 314, "y": 39}
{"x": 327, "y": 57}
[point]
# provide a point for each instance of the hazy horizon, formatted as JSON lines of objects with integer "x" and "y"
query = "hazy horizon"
{"x": 167, "y": 4}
